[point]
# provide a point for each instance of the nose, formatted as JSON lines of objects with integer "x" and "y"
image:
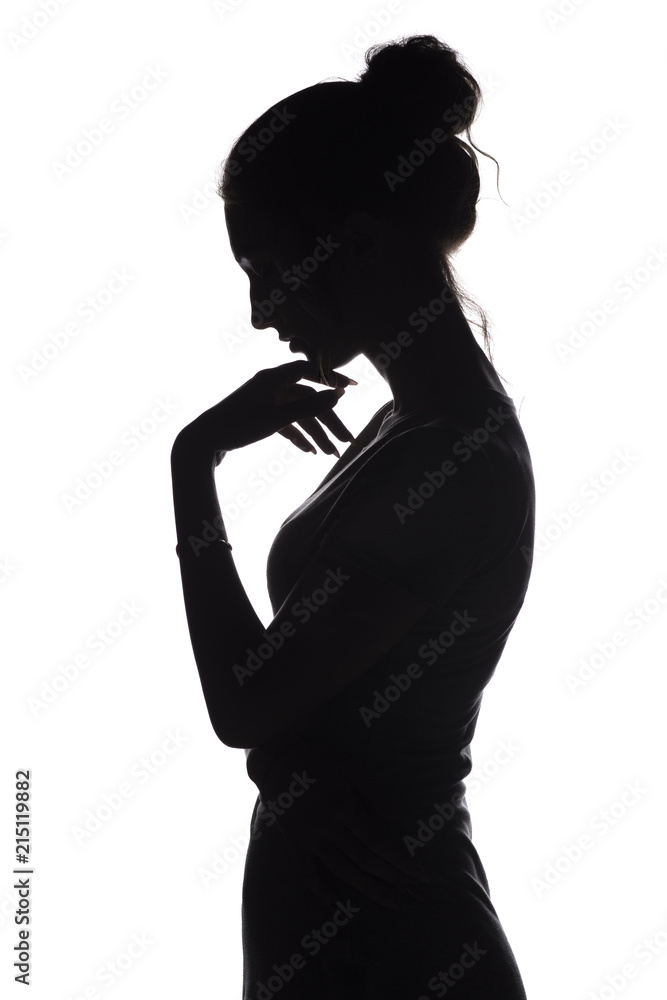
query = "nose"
{"x": 262, "y": 308}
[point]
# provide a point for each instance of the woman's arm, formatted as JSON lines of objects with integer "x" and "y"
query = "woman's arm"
{"x": 325, "y": 646}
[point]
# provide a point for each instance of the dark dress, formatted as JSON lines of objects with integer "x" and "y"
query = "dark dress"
{"x": 410, "y": 718}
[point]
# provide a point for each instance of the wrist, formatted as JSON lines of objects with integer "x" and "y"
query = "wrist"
{"x": 188, "y": 455}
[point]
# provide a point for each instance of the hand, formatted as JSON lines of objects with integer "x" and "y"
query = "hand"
{"x": 333, "y": 829}
{"x": 268, "y": 402}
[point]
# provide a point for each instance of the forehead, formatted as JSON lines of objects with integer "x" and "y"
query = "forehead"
{"x": 248, "y": 229}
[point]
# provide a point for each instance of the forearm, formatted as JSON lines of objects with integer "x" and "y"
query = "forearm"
{"x": 221, "y": 620}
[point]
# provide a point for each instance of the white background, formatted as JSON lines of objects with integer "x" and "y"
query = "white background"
{"x": 142, "y": 202}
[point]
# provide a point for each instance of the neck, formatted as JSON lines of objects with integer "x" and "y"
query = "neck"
{"x": 430, "y": 359}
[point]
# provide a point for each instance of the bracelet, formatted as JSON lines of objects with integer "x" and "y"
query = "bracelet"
{"x": 223, "y": 540}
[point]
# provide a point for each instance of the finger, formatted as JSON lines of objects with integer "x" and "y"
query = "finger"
{"x": 294, "y": 435}
{"x": 336, "y": 426}
{"x": 312, "y": 405}
{"x": 316, "y": 431}
{"x": 292, "y": 371}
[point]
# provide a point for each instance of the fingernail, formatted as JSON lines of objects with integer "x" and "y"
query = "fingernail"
{"x": 339, "y": 391}
{"x": 352, "y": 381}
{"x": 335, "y": 451}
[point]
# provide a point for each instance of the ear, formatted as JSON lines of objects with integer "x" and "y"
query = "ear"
{"x": 364, "y": 235}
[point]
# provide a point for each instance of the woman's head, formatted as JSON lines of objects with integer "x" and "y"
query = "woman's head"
{"x": 339, "y": 157}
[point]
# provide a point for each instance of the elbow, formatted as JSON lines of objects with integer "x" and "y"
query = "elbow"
{"x": 232, "y": 733}
{"x": 242, "y": 734}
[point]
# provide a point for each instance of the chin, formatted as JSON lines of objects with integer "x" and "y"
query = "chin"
{"x": 299, "y": 346}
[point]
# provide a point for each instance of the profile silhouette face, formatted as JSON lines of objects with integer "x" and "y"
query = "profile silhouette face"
{"x": 324, "y": 293}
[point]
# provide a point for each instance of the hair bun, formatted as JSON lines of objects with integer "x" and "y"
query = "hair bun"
{"x": 422, "y": 79}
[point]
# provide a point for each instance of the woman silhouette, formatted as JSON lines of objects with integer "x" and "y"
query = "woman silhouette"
{"x": 395, "y": 585}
